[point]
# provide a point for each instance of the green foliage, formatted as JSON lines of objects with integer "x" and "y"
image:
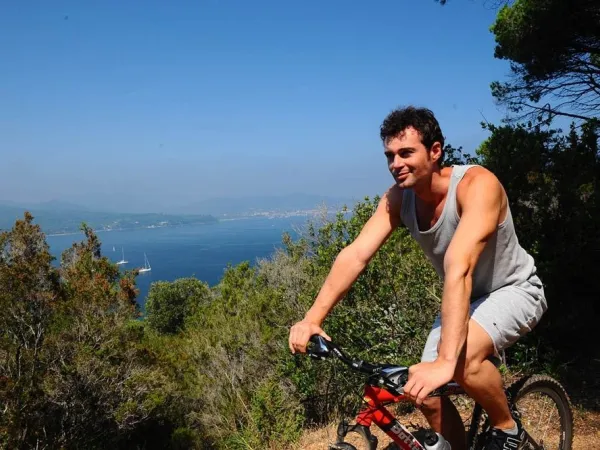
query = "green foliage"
{"x": 210, "y": 367}
{"x": 385, "y": 316}
{"x": 554, "y": 49}
{"x": 389, "y": 308}
{"x": 168, "y": 304}
{"x": 29, "y": 294}
{"x": 237, "y": 341}
{"x": 273, "y": 418}
{"x": 184, "y": 439}
{"x": 454, "y": 156}
{"x": 273, "y": 415}
{"x": 74, "y": 368}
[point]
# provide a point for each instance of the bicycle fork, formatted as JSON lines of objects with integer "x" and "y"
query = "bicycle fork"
{"x": 375, "y": 412}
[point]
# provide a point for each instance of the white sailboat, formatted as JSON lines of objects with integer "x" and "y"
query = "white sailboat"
{"x": 123, "y": 261}
{"x": 146, "y": 267}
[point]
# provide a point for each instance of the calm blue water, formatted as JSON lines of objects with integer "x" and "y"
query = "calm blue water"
{"x": 202, "y": 251}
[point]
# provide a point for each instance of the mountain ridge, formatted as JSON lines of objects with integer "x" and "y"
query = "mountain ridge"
{"x": 285, "y": 202}
{"x": 58, "y": 216}
{"x": 69, "y": 221}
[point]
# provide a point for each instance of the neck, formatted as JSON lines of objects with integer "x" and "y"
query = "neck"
{"x": 433, "y": 189}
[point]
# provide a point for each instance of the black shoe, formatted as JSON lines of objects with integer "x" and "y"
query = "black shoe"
{"x": 499, "y": 440}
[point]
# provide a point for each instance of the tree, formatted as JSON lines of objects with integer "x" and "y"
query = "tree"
{"x": 76, "y": 367}
{"x": 553, "y": 47}
{"x": 29, "y": 292}
{"x": 169, "y": 304}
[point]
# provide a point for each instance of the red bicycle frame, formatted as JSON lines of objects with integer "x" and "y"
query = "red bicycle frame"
{"x": 375, "y": 412}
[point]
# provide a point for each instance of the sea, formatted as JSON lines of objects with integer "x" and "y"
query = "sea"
{"x": 203, "y": 251}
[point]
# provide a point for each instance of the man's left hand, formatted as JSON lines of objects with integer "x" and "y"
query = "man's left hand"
{"x": 425, "y": 377}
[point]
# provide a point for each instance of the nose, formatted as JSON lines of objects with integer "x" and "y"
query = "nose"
{"x": 397, "y": 163}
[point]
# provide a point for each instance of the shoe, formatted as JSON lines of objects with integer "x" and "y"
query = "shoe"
{"x": 499, "y": 440}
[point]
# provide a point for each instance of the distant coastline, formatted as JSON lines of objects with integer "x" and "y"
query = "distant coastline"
{"x": 149, "y": 227}
{"x": 63, "y": 222}
{"x": 224, "y": 218}
{"x": 63, "y": 219}
{"x": 73, "y": 231}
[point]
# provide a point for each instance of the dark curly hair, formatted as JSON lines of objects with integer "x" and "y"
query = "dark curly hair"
{"x": 421, "y": 119}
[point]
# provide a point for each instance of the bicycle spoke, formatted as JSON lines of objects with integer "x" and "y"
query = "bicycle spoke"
{"x": 549, "y": 403}
{"x": 541, "y": 421}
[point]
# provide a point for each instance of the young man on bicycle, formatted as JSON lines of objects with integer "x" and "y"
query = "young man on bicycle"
{"x": 492, "y": 296}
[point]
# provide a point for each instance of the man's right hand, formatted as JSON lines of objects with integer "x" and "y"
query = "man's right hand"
{"x": 300, "y": 334}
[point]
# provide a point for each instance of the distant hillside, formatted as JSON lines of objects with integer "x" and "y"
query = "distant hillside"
{"x": 60, "y": 218}
{"x": 282, "y": 203}
{"x": 53, "y": 205}
{"x": 57, "y": 216}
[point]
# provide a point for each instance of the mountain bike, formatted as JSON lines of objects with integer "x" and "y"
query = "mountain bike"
{"x": 384, "y": 386}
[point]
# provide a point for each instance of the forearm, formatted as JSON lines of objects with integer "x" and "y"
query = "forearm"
{"x": 345, "y": 270}
{"x": 455, "y": 315}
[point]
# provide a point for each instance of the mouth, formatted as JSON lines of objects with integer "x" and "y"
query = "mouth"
{"x": 401, "y": 176}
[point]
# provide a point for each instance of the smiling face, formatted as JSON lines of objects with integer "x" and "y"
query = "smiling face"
{"x": 409, "y": 161}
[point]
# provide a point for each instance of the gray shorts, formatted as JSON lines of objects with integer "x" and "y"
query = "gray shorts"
{"x": 505, "y": 314}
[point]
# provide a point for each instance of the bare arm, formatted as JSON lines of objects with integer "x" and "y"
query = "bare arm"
{"x": 481, "y": 202}
{"x": 348, "y": 265}
{"x": 353, "y": 259}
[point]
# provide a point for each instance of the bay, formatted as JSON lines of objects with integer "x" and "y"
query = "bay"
{"x": 202, "y": 251}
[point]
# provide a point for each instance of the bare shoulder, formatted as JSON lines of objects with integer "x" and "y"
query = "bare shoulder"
{"x": 391, "y": 201}
{"x": 481, "y": 183}
{"x": 478, "y": 177}
{"x": 389, "y": 207}
{"x": 394, "y": 197}
{"x": 379, "y": 226}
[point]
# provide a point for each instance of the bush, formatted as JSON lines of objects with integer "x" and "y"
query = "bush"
{"x": 169, "y": 303}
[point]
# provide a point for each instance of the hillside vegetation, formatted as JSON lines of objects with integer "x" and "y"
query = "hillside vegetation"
{"x": 210, "y": 368}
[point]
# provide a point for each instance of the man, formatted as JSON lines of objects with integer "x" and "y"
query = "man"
{"x": 491, "y": 297}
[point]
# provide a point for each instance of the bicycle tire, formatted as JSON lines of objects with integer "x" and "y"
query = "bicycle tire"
{"x": 546, "y": 385}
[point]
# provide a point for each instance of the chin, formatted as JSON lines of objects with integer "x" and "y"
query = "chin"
{"x": 405, "y": 184}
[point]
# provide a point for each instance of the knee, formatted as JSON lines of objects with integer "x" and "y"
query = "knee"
{"x": 467, "y": 370}
{"x": 431, "y": 406}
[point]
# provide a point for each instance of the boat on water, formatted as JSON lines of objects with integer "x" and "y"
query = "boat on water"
{"x": 146, "y": 267}
{"x": 123, "y": 261}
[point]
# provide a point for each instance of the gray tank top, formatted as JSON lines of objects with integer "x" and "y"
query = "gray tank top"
{"x": 503, "y": 261}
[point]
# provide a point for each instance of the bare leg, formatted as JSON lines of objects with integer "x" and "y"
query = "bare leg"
{"x": 444, "y": 418}
{"x": 481, "y": 380}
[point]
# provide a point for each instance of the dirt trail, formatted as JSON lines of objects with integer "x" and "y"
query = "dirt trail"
{"x": 586, "y": 436}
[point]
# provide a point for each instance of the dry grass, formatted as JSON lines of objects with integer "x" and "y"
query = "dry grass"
{"x": 586, "y": 431}
{"x": 583, "y": 388}
{"x": 587, "y": 434}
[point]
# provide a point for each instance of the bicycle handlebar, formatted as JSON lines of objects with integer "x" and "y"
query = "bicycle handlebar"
{"x": 392, "y": 377}
{"x": 324, "y": 349}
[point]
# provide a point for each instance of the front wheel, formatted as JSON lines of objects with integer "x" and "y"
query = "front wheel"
{"x": 545, "y": 411}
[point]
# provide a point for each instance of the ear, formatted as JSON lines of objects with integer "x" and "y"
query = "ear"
{"x": 435, "y": 152}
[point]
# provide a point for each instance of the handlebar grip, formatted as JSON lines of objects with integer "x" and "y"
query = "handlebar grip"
{"x": 320, "y": 348}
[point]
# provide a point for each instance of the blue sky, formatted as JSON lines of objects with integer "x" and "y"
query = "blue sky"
{"x": 154, "y": 104}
